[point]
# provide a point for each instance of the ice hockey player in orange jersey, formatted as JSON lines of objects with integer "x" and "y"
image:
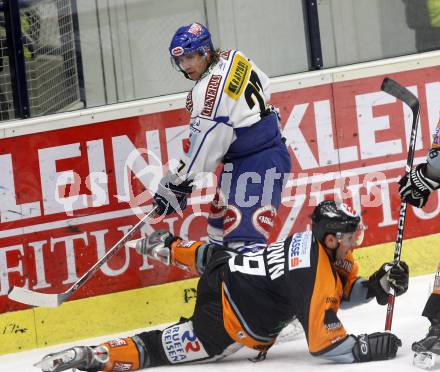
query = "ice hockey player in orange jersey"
{"x": 247, "y": 299}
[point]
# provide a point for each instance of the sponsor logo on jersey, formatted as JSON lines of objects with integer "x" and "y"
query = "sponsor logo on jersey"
{"x": 186, "y": 243}
{"x": 186, "y": 145}
{"x": 435, "y": 140}
{"x": 263, "y": 220}
{"x": 331, "y": 300}
{"x": 299, "y": 250}
{"x": 225, "y": 54}
{"x": 189, "y": 102}
{"x": 122, "y": 366}
{"x": 117, "y": 342}
{"x": 194, "y": 131}
{"x": 211, "y": 94}
{"x": 331, "y": 321}
{"x": 218, "y": 206}
{"x": 237, "y": 77}
{"x": 231, "y": 219}
{"x": 181, "y": 344}
{"x": 437, "y": 280}
{"x": 344, "y": 265}
{"x": 194, "y": 126}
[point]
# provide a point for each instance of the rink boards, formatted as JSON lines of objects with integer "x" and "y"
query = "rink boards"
{"x": 71, "y": 184}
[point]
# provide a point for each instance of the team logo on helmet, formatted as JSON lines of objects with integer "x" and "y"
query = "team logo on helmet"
{"x": 195, "y": 29}
{"x": 177, "y": 51}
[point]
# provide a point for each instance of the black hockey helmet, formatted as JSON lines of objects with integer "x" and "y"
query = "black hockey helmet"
{"x": 330, "y": 217}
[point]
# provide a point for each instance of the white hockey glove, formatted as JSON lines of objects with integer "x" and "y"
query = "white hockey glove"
{"x": 157, "y": 246}
{"x": 415, "y": 186}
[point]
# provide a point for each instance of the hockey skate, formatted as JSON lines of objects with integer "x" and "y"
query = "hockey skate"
{"x": 426, "y": 350}
{"x": 84, "y": 358}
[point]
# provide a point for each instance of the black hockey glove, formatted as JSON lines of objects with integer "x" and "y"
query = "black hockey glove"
{"x": 171, "y": 197}
{"x": 389, "y": 274}
{"x": 415, "y": 186}
{"x": 376, "y": 346}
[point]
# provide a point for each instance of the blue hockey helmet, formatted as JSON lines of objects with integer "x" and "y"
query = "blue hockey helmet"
{"x": 330, "y": 217}
{"x": 191, "y": 38}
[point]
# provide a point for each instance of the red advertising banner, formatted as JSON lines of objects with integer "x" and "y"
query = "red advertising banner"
{"x": 68, "y": 195}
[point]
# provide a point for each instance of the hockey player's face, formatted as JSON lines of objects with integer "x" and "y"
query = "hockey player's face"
{"x": 194, "y": 65}
{"x": 346, "y": 243}
{"x": 339, "y": 246}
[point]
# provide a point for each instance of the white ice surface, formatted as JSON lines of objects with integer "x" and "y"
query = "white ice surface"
{"x": 293, "y": 356}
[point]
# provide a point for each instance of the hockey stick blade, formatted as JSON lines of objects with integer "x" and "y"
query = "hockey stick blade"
{"x": 29, "y": 297}
{"x": 392, "y": 87}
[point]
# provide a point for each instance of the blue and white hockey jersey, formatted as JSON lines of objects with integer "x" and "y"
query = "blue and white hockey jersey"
{"x": 232, "y": 95}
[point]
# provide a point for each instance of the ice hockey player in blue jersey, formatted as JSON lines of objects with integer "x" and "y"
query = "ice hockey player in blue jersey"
{"x": 231, "y": 123}
{"x": 416, "y": 185}
{"x": 415, "y": 188}
{"x": 426, "y": 348}
{"x": 247, "y": 299}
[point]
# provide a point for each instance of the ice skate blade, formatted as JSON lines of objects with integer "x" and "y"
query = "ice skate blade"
{"x": 424, "y": 360}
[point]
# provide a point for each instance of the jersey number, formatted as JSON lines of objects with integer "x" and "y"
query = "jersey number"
{"x": 253, "y": 92}
{"x": 251, "y": 264}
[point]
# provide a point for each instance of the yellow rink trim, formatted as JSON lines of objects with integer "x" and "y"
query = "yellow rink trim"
{"x": 96, "y": 316}
{"x": 146, "y": 307}
{"x": 421, "y": 254}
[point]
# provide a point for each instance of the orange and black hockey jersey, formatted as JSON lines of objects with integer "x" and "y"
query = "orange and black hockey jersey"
{"x": 263, "y": 291}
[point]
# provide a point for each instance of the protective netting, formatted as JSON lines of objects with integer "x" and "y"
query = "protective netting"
{"x": 50, "y": 59}
{"x": 6, "y": 104}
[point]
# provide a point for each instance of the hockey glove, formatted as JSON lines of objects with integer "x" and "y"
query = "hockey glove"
{"x": 415, "y": 186}
{"x": 157, "y": 245}
{"x": 171, "y": 197}
{"x": 376, "y": 346}
{"x": 389, "y": 274}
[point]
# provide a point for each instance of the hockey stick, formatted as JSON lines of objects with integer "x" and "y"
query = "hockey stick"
{"x": 396, "y": 90}
{"x": 29, "y": 297}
